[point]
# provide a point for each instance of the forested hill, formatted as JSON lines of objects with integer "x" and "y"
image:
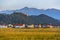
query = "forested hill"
{"x": 18, "y": 17}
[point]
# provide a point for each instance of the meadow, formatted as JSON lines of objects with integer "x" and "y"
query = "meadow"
{"x": 30, "y": 34}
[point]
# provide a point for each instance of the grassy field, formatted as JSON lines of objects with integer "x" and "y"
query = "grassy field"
{"x": 30, "y": 34}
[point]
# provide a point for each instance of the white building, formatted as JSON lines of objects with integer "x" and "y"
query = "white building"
{"x": 10, "y": 26}
{"x": 3, "y": 26}
{"x": 19, "y": 25}
{"x": 30, "y": 26}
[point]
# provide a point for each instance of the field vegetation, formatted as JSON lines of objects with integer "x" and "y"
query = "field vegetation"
{"x": 30, "y": 34}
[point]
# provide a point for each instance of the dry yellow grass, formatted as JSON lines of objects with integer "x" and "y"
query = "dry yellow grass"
{"x": 30, "y": 34}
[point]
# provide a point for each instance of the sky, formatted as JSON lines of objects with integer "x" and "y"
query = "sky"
{"x": 18, "y": 4}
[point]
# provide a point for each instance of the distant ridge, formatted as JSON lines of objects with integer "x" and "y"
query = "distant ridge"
{"x": 55, "y": 13}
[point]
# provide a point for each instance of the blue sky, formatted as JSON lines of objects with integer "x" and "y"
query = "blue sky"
{"x": 18, "y": 4}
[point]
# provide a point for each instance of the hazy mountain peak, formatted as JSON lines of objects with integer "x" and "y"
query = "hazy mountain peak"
{"x": 55, "y": 13}
{"x": 42, "y": 15}
{"x": 25, "y": 8}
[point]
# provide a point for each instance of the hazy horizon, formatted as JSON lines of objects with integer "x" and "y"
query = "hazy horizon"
{"x": 39, "y": 4}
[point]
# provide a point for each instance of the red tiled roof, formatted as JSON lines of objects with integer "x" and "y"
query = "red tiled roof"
{"x": 18, "y": 24}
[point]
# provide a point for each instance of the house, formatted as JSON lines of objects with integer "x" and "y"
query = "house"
{"x": 40, "y": 26}
{"x": 19, "y": 25}
{"x": 45, "y": 26}
{"x": 10, "y": 26}
{"x": 30, "y": 25}
{"x": 53, "y": 26}
{"x": 36, "y": 25}
{"x": 3, "y": 26}
{"x": 56, "y": 26}
{"x": 50, "y": 26}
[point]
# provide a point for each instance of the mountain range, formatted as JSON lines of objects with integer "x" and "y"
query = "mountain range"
{"x": 55, "y": 13}
{"x": 22, "y": 18}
